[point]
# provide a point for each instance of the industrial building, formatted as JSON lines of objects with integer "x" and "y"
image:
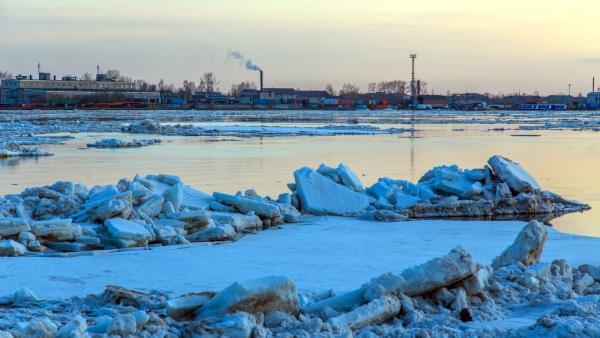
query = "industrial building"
{"x": 69, "y": 90}
{"x": 593, "y": 100}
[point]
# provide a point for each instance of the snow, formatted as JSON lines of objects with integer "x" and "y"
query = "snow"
{"x": 318, "y": 254}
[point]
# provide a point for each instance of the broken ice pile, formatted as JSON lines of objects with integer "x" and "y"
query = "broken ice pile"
{"x": 502, "y": 188}
{"x": 449, "y": 296}
{"x": 151, "y": 210}
{"x": 13, "y": 149}
{"x": 117, "y": 143}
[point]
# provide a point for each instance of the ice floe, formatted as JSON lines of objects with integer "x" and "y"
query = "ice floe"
{"x": 162, "y": 210}
{"x": 117, "y": 143}
{"x": 12, "y": 149}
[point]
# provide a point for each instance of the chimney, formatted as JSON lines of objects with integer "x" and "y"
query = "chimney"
{"x": 261, "y": 80}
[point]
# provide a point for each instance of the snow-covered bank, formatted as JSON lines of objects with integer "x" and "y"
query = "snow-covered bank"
{"x": 318, "y": 254}
{"x": 455, "y": 294}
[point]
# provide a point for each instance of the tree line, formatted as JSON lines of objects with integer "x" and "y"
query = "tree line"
{"x": 387, "y": 87}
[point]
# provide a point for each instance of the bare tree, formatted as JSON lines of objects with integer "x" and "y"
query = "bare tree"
{"x": 113, "y": 74}
{"x": 329, "y": 89}
{"x": 87, "y": 76}
{"x": 372, "y": 87}
{"x": 208, "y": 83}
{"x": 164, "y": 87}
{"x": 5, "y": 75}
{"x": 236, "y": 89}
{"x": 187, "y": 89}
{"x": 392, "y": 87}
{"x": 142, "y": 85}
{"x": 349, "y": 88}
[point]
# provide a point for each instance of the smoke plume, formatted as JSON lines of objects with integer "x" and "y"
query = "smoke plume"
{"x": 245, "y": 61}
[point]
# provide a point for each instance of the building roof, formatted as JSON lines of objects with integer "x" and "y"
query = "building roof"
{"x": 303, "y": 94}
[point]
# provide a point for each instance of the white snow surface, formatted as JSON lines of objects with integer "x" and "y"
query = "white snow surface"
{"x": 319, "y": 253}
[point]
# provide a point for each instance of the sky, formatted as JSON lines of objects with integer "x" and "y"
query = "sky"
{"x": 461, "y": 45}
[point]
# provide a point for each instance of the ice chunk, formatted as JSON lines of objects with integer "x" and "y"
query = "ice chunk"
{"x": 175, "y": 195}
{"x": 268, "y": 294}
{"x": 381, "y": 189}
{"x": 517, "y": 178}
{"x": 245, "y": 204}
{"x": 320, "y": 196}
{"x": 220, "y": 232}
{"x": 127, "y": 230}
{"x": 194, "y": 220}
{"x": 152, "y": 205}
{"x": 343, "y": 302}
{"x": 238, "y": 221}
{"x": 98, "y": 197}
{"x": 39, "y": 327}
{"x": 328, "y": 172}
{"x": 178, "y": 308}
{"x": 236, "y": 325}
{"x": 404, "y": 201}
{"x": 24, "y": 295}
{"x": 73, "y": 329}
{"x": 438, "y": 272}
{"x": 56, "y": 229}
{"x": 375, "y": 312}
{"x": 110, "y": 208}
{"x": 13, "y": 225}
{"x": 527, "y": 247}
{"x": 349, "y": 178}
{"x": 8, "y": 247}
{"x": 195, "y": 199}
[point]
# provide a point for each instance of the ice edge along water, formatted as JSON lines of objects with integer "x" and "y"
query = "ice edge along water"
{"x": 161, "y": 208}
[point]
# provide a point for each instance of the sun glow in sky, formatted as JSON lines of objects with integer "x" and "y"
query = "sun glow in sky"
{"x": 462, "y": 45}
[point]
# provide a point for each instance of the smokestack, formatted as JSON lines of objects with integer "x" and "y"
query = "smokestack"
{"x": 261, "y": 80}
{"x": 593, "y": 84}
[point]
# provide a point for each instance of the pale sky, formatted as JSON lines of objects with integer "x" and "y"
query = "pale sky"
{"x": 462, "y": 45}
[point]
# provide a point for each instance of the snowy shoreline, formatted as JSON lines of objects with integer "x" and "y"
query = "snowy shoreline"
{"x": 456, "y": 294}
{"x": 350, "y": 246}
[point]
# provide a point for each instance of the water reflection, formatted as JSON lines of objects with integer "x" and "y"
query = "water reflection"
{"x": 17, "y": 160}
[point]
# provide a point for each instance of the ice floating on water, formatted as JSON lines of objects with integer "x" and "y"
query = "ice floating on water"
{"x": 116, "y": 143}
{"x": 149, "y": 126}
{"x": 12, "y": 149}
{"x": 502, "y": 189}
{"x": 161, "y": 209}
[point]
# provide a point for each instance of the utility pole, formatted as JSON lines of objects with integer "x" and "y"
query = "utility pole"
{"x": 569, "y": 89}
{"x": 413, "y": 82}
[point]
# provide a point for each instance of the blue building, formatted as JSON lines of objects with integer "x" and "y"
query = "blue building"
{"x": 593, "y": 100}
